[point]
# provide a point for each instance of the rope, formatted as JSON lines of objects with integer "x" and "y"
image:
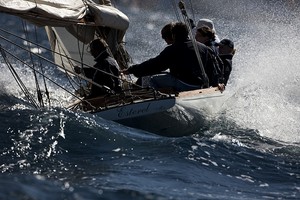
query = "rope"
{"x": 3, "y": 52}
{"x": 18, "y": 80}
{"x": 38, "y": 90}
{"x": 192, "y": 8}
{"x": 40, "y": 65}
{"x": 174, "y": 4}
{"x": 187, "y": 22}
{"x": 62, "y": 54}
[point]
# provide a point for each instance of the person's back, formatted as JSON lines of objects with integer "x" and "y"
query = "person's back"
{"x": 186, "y": 56}
{"x": 181, "y": 59}
{"x": 184, "y": 64}
{"x": 105, "y": 71}
{"x": 226, "y": 52}
{"x": 108, "y": 74}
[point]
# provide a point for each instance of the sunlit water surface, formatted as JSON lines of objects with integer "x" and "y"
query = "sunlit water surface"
{"x": 250, "y": 151}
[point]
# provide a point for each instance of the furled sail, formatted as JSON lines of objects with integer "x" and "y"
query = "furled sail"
{"x": 71, "y": 24}
{"x": 65, "y": 13}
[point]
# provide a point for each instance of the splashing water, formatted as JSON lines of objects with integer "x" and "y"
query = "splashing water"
{"x": 266, "y": 75}
{"x": 263, "y": 92}
{"x": 263, "y": 84}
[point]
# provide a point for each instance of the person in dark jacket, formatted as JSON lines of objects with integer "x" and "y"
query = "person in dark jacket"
{"x": 226, "y": 52}
{"x": 206, "y": 35}
{"x": 105, "y": 72}
{"x": 184, "y": 68}
{"x": 166, "y": 33}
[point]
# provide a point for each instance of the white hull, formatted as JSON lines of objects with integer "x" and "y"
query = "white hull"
{"x": 191, "y": 113}
{"x": 137, "y": 109}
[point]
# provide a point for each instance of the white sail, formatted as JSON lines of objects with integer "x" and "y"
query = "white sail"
{"x": 71, "y": 24}
{"x": 65, "y": 13}
{"x": 46, "y": 12}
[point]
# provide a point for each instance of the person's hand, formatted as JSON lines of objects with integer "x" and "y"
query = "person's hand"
{"x": 124, "y": 71}
{"x": 221, "y": 87}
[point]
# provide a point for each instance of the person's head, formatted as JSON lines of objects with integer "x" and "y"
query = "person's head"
{"x": 166, "y": 33}
{"x": 206, "y": 22}
{"x": 205, "y": 34}
{"x": 97, "y": 46}
{"x": 226, "y": 46}
{"x": 180, "y": 32}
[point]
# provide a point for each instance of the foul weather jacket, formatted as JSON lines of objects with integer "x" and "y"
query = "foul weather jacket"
{"x": 180, "y": 58}
{"x": 106, "y": 73}
{"x": 227, "y": 61}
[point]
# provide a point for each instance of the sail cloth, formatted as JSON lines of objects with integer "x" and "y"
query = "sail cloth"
{"x": 64, "y": 13}
{"x": 71, "y": 24}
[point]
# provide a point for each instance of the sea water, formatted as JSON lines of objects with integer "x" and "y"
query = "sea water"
{"x": 250, "y": 151}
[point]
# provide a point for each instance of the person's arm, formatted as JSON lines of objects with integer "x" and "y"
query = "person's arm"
{"x": 152, "y": 66}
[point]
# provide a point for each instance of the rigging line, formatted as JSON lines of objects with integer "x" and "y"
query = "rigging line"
{"x": 40, "y": 64}
{"x": 81, "y": 54}
{"x": 120, "y": 50}
{"x": 52, "y": 51}
{"x": 43, "y": 58}
{"x": 192, "y": 9}
{"x": 63, "y": 68}
{"x": 38, "y": 90}
{"x": 100, "y": 34}
{"x": 38, "y": 45}
{"x": 67, "y": 71}
{"x": 62, "y": 55}
{"x": 57, "y": 53}
{"x": 174, "y": 4}
{"x": 17, "y": 78}
{"x": 22, "y": 86}
{"x": 188, "y": 24}
{"x": 121, "y": 55}
{"x": 49, "y": 79}
{"x": 47, "y": 49}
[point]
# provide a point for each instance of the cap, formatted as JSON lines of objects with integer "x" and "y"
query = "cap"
{"x": 205, "y": 22}
{"x": 226, "y": 42}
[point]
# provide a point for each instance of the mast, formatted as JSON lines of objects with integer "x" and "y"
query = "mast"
{"x": 188, "y": 24}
